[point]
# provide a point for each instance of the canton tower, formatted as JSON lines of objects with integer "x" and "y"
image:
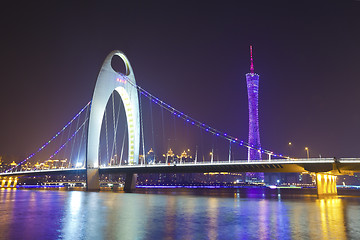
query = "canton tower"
{"x": 252, "y": 80}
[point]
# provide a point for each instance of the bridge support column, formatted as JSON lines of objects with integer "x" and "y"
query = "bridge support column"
{"x": 9, "y": 182}
{"x": 92, "y": 179}
{"x": 15, "y": 182}
{"x": 130, "y": 182}
{"x": 326, "y": 184}
{"x": 3, "y": 182}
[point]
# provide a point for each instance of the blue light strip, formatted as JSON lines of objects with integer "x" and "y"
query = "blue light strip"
{"x": 48, "y": 142}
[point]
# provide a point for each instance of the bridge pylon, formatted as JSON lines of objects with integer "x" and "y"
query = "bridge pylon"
{"x": 107, "y": 82}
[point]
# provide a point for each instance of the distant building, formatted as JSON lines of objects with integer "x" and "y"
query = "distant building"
{"x": 285, "y": 178}
{"x": 3, "y": 166}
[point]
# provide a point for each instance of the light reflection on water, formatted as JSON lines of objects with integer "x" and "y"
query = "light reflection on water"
{"x": 32, "y": 214}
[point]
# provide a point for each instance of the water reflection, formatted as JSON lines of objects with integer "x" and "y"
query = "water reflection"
{"x": 322, "y": 219}
{"x": 6, "y": 208}
{"x": 71, "y": 220}
{"x": 332, "y": 218}
{"x": 190, "y": 227}
{"x": 107, "y": 215}
{"x": 263, "y": 219}
{"x": 213, "y": 214}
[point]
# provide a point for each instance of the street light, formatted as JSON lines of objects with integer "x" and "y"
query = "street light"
{"x": 290, "y": 146}
{"x": 307, "y": 152}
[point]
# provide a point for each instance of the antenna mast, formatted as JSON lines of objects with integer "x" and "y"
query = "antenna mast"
{"x": 252, "y": 62}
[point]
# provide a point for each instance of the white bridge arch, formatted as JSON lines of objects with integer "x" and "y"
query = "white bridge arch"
{"x": 124, "y": 84}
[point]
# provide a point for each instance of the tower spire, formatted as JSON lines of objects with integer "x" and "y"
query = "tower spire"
{"x": 252, "y": 62}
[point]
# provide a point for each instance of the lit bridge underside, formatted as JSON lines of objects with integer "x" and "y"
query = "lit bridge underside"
{"x": 340, "y": 167}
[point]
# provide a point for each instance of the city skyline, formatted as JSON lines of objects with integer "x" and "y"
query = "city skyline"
{"x": 52, "y": 59}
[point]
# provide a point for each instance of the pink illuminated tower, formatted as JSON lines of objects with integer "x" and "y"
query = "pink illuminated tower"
{"x": 252, "y": 80}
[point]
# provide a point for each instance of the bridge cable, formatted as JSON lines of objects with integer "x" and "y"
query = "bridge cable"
{"x": 54, "y": 137}
{"x": 69, "y": 139}
{"x": 82, "y": 136}
{"x": 61, "y": 140}
{"x": 68, "y": 149}
{"x": 122, "y": 148}
{"x": 202, "y": 125}
{"x": 217, "y": 149}
{"x": 106, "y": 138}
{"x": 142, "y": 130}
{"x": 229, "y": 151}
{"x": 163, "y": 131}
{"x": 196, "y": 153}
{"x": 175, "y": 135}
{"x": 187, "y": 137}
{"x": 202, "y": 145}
{"x": 152, "y": 129}
{"x": 115, "y": 126}
{"x": 212, "y": 149}
{"x": 73, "y": 143}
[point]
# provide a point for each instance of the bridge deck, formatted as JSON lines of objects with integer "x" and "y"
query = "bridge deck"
{"x": 340, "y": 166}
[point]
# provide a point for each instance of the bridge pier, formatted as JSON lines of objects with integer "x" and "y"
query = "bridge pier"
{"x": 15, "y": 182}
{"x": 326, "y": 184}
{"x": 9, "y": 182}
{"x": 92, "y": 179}
{"x": 130, "y": 182}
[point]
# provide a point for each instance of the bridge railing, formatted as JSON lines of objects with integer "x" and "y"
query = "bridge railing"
{"x": 208, "y": 162}
{"x": 349, "y": 159}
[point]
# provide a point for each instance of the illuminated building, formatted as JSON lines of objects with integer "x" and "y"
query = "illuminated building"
{"x": 252, "y": 81}
{"x": 170, "y": 153}
{"x": 184, "y": 156}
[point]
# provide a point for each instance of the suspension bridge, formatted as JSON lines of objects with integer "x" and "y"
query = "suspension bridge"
{"x": 125, "y": 129}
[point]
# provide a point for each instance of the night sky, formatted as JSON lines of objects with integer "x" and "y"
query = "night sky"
{"x": 194, "y": 56}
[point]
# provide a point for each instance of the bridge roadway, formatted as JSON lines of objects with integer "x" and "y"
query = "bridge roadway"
{"x": 334, "y": 166}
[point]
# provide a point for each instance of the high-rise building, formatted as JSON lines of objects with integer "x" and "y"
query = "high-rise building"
{"x": 252, "y": 80}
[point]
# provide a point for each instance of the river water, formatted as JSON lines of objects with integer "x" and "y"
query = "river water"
{"x": 175, "y": 214}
